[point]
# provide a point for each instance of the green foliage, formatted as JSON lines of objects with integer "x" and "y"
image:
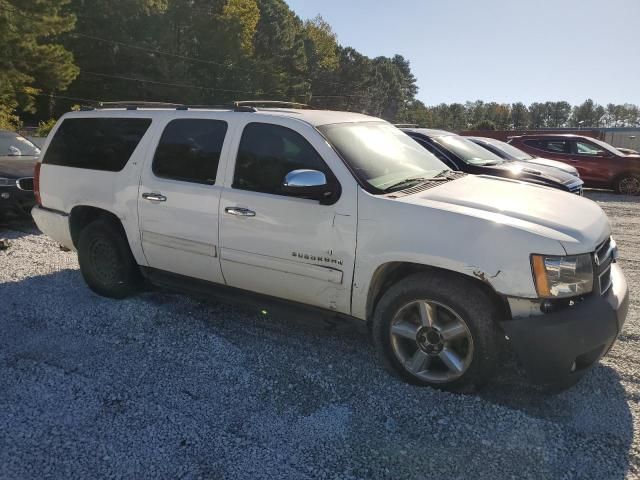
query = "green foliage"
{"x": 45, "y": 127}
{"x": 8, "y": 119}
{"x": 321, "y": 43}
{"x": 484, "y": 125}
{"x": 245, "y": 14}
{"x": 31, "y": 59}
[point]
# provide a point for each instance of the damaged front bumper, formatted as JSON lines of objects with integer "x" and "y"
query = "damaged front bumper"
{"x": 553, "y": 347}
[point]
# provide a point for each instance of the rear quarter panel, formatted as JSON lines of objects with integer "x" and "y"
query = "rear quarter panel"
{"x": 63, "y": 188}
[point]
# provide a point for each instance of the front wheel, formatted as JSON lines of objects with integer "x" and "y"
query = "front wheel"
{"x": 437, "y": 330}
{"x": 628, "y": 184}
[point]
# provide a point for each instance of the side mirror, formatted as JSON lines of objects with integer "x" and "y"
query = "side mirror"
{"x": 310, "y": 184}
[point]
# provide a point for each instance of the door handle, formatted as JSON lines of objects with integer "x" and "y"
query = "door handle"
{"x": 240, "y": 212}
{"x": 154, "y": 197}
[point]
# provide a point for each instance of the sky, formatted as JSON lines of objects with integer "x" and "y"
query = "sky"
{"x": 498, "y": 50}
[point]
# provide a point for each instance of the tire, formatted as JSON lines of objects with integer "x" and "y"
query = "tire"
{"x": 628, "y": 184}
{"x": 465, "y": 321}
{"x": 106, "y": 261}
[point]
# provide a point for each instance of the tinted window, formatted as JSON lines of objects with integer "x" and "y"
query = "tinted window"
{"x": 550, "y": 145}
{"x": 189, "y": 150}
{"x": 96, "y": 143}
{"x": 267, "y": 153}
{"x": 436, "y": 152}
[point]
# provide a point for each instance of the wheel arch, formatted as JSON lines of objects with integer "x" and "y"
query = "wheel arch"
{"x": 390, "y": 273}
{"x": 82, "y": 215}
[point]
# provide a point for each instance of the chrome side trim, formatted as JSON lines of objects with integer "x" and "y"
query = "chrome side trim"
{"x": 318, "y": 272}
{"x": 200, "y": 248}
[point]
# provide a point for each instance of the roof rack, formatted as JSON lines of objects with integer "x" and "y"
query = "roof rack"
{"x": 135, "y": 105}
{"x": 238, "y": 106}
{"x": 406, "y": 125}
{"x": 252, "y": 105}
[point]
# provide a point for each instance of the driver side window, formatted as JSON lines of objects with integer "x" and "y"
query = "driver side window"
{"x": 267, "y": 153}
{"x": 585, "y": 148}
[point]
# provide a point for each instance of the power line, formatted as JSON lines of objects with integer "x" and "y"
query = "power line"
{"x": 175, "y": 55}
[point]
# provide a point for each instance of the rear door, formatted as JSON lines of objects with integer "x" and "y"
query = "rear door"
{"x": 179, "y": 197}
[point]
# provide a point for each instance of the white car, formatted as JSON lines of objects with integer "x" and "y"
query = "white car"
{"x": 345, "y": 213}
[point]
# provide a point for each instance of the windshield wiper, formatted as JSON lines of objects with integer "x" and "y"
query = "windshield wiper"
{"x": 404, "y": 183}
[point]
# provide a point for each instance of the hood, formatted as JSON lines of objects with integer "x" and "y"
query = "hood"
{"x": 18, "y": 166}
{"x": 554, "y": 164}
{"x": 533, "y": 172}
{"x": 577, "y": 223}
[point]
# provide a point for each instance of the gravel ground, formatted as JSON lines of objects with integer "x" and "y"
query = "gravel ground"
{"x": 166, "y": 386}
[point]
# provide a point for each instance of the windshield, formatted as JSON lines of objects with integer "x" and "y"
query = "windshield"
{"x": 468, "y": 151}
{"x": 510, "y": 150}
{"x": 607, "y": 147}
{"x": 380, "y": 154}
{"x": 15, "y": 145}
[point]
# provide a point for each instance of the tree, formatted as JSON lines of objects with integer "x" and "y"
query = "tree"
{"x": 519, "y": 116}
{"x": 244, "y": 14}
{"x": 320, "y": 44}
{"x": 32, "y": 63}
{"x": 484, "y": 125}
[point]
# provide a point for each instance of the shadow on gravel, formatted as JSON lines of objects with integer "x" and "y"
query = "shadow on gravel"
{"x": 17, "y": 228}
{"x": 162, "y": 385}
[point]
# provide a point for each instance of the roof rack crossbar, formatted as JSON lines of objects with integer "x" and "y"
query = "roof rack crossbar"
{"x": 252, "y": 105}
{"x": 129, "y": 105}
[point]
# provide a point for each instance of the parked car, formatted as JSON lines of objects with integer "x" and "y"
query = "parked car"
{"x": 460, "y": 153}
{"x": 600, "y": 165}
{"x": 627, "y": 151}
{"x": 509, "y": 152}
{"x": 18, "y": 157}
{"x": 341, "y": 213}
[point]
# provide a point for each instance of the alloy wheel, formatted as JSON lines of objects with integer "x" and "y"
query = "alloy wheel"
{"x": 629, "y": 185}
{"x": 431, "y": 341}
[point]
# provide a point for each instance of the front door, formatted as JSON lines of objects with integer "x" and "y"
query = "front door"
{"x": 279, "y": 245}
{"x": 179, "y": 197}
{"x": 587, "y": 157}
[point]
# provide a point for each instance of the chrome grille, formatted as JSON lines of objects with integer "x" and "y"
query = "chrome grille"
{"x": 604, "y": 256}
{"x": 25, "y": 183}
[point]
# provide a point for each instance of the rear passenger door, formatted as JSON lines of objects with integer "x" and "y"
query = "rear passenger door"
{"x": 179, "y": 196}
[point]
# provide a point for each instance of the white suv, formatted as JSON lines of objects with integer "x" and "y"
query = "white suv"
{"x": 342, "y": 212}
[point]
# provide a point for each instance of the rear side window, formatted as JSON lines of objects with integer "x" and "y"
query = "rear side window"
{"x": 189, "y": 150}
{"x": 549, "y": 145}
{"x": 267, "y": 153}
{"x": 96, "y": 143}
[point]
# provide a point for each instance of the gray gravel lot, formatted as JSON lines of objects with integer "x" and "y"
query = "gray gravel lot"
{"x": 166, "y": 386}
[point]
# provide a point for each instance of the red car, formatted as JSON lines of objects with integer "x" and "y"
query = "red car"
{"x": 600, "y": 164}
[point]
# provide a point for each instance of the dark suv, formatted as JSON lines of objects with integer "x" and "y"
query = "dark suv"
{"x": 18, "y": 157}
{"x": 460, "y": 153}
{"x": 599, "y": 164}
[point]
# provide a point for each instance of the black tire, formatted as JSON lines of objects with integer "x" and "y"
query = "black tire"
{"x": 627, "y": 184}
{"x": 453, "y": 293}
{"x": 106, "y": 261}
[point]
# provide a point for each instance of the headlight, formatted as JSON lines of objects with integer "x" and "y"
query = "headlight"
{"x": 560, "y": 277}
{"x": 5, "y": 182}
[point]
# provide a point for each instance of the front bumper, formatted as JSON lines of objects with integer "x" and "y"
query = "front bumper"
{"x": 15, "y": 202}
{"x": 556, "y": 346}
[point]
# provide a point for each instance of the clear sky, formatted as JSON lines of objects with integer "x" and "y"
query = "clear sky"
{"x": 499, "y": 50}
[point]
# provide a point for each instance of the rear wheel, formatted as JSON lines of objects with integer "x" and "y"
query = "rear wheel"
{"x": 628, "y": 184}
{"x": 437, "y": 330}
{"x": 106, "y": 261}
